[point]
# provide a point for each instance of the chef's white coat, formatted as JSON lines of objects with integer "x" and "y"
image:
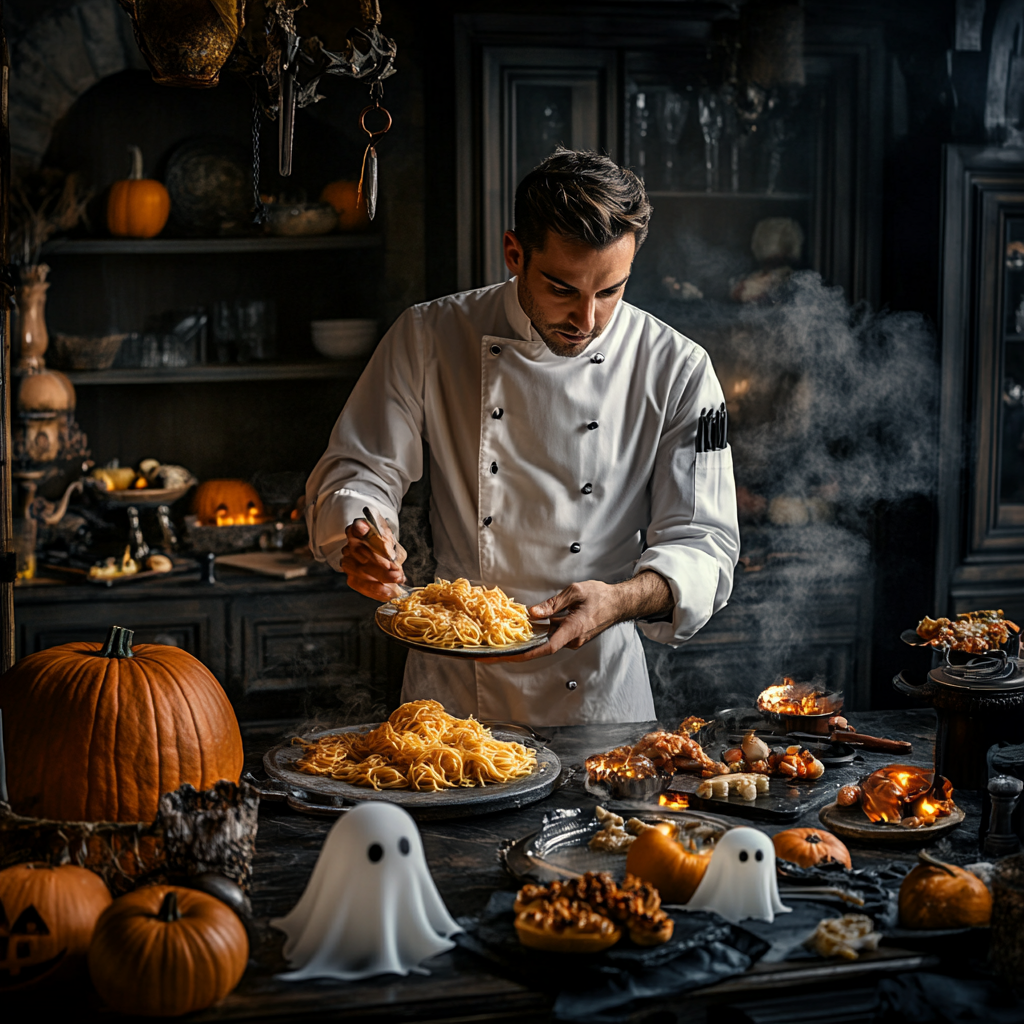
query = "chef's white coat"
{"x": 544, "y": 471}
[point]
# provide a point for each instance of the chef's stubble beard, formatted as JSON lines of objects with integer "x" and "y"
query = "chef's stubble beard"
{"x": 546, "y": 330}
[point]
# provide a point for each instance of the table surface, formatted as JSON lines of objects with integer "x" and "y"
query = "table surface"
{"x": 463, "y": 861}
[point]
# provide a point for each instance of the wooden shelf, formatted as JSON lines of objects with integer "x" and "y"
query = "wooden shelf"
{"x": 193, "y": 246}
{"x": 788, "y": 197}
{"x": 211, "y": 374}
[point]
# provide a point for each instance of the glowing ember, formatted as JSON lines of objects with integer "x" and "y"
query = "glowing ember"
{"x": 620, "y": 763}
{"x": 792, "y": 698}
{"x": 674, "y": 801}
{"x": 250, "y": 517}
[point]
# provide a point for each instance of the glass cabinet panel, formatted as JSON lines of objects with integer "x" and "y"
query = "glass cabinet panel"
{"x": 1011, "y": 431}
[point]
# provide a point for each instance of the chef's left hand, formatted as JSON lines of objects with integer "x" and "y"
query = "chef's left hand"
{"x": 593, "y": 606}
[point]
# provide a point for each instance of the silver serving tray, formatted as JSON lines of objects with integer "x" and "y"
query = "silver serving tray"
{"x": 279, "y": 763}
{"x": 560, "y": 849}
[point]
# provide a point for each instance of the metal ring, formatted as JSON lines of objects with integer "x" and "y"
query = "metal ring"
{"x": 374, "y": 136}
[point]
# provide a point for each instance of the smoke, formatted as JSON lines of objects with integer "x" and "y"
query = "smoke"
{"x": 832, "y": 418}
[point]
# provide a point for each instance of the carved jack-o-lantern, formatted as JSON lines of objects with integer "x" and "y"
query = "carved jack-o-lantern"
{"x": 47, "y": 917}
{"x": 228, "y": 503}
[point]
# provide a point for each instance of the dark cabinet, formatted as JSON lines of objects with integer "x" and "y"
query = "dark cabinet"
{"x": 981, "y": 444}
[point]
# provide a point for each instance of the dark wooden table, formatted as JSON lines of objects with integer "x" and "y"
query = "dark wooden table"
{"x": 462, "y": 858}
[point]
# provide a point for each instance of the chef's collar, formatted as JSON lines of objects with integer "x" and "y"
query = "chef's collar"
{"x": 522, "y": 326}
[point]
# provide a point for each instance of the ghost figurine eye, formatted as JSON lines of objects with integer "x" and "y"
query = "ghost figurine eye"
{"x": 759, "y": 855}
{"x": 744, "y": 856}
{"x": 403, "y": 846}
{"x": 375, "y": 852}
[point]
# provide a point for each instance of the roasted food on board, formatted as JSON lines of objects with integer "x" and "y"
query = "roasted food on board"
{"x": 420, "y": 747}
{"x": 970, "y": 632}
{"x": 754, "y": 756}
{"x": 745, "y": 785}
{"x": 844, "y": 936}
{"x": 617, "y": 835}
{"x": 457, "y": 614}
{"x": 901, "y": 794}
{"x": 562, "y": 916}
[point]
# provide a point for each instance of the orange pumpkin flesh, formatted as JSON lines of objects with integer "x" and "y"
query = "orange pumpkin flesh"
{"x": 673, "y": 871}
{"x": 47, "y": 919}
{"x": 161, "y": 951}
{"x": 137, "y": 207}
{"x": 344, "y": 197}
{"x": 932, "y": 898}
{"x": 101, "y": 737}
{"x": 810, "y": 846}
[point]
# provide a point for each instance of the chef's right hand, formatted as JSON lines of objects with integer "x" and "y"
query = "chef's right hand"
{"x": 373, "y": 569}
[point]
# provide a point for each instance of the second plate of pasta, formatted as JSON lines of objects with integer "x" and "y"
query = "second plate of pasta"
{"x": 461, "y": 620}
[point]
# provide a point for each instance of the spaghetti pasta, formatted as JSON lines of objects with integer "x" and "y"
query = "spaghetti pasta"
{"x": 420, "y": 747}
{"x": 457, "y": 614}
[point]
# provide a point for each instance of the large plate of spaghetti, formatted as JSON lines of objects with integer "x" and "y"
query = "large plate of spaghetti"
{"x": 423, "y": 759}
{"x": 462, "y": 620}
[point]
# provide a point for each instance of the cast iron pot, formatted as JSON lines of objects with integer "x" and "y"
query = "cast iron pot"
{"x": 972, "y": 716}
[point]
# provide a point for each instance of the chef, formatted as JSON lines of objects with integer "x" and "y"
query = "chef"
{"x": 566, "y": 464}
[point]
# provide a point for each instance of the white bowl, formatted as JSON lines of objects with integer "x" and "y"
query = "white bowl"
{"x": 344, "y": 339}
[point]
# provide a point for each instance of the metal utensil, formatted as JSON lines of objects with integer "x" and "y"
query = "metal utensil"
{"x": 376, "y": 541}
{"x": 517, "y": 727}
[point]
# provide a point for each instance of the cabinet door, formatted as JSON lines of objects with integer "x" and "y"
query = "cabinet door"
{"x": 302, "y": 640}
{"x": 194, "y": 626}
{"x": 981, "y": 489}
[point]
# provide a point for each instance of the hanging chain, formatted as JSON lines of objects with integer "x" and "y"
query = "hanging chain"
{"x": 259, "y": 213}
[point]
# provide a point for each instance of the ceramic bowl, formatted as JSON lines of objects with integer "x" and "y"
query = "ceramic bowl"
{"x": 300, "y": 218}
{"x": 84, "y": 352}
{"x": 344, "y": 339}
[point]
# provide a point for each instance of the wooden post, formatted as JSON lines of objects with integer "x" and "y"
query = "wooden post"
{"x": 7, "y": 556}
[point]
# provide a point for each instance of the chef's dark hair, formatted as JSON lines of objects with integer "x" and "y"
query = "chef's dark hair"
{"x": 583, "y": 196}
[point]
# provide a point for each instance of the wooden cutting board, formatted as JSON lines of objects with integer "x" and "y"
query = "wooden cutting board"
{"x": 282, "y": 564}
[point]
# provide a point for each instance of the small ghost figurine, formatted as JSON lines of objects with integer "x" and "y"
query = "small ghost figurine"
{"x": 740, "y": 880}
{"x": 371, "y": 906}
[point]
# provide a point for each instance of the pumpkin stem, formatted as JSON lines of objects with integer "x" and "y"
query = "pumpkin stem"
{"x": 118, "y": 643}
{"x": 169, "y": 910}
{"x": 814, "y": 838}
{"x": 928, "y": 858}
{"x": 136, "y": 171}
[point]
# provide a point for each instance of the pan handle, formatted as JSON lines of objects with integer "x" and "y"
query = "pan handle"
{"x": 901, "y": 684}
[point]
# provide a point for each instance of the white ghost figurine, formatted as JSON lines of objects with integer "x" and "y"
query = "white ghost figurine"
{"x": 371, "y": 906}
{"x": 740, "y": 880}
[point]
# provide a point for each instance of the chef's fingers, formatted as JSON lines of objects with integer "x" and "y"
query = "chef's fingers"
{"x": 383, "y": 544}
{"x": 373, "y": 589}
{"x": 566, "y": 598}
{"x": 365, "y": 561}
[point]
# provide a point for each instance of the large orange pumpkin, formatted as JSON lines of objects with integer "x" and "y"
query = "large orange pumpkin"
{"x": 161, "y": 951}
{"x": 944, "y": 896}
{"x": 137, "y": 207}
{"x": 99, "y": 732}
{"x": 344, "y": 197}
{"x": 810, "y": 846}
{"x": 47, "y": 918}
{"x": 227, "y": 503}
{"x": 672, "y": 870}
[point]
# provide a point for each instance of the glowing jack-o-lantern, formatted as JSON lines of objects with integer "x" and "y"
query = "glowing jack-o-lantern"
{"x": 47, "y": 919}
{"x": 228, "y": 503}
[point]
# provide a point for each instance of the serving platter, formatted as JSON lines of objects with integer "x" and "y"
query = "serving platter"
{"x": 560, "y": 848}
{"x": 279, "y": 763}
{"x": 385, "y": 614}
{"x": 852, "y": 823}
{"x": 785, "y": 801}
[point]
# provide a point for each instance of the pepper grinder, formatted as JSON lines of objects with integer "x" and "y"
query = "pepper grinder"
{"x": 1004, "y": 792}
{"x": 170, "y": 538}
{"x": 139, "y": 547}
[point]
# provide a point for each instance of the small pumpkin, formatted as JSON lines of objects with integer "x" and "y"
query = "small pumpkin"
{"x": 137, "y": 207}
{"x": 939, "y": 895}
{"x": 671, "y": 869}
{"x": 344, "y": 197}
{"x": 227, "y": 503}
{"x": 99, "y": 732}
{"x": 47, "y": 918}
{"x": 161, "y": 951}
{"x": 810, "y": 846}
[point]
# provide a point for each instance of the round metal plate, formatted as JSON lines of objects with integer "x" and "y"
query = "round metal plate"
{"x": 852, "y": 823}
{"x": 279, "y": 763}
{"x": 386, "y": 612}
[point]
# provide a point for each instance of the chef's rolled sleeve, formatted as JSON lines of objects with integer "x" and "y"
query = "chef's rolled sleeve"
{"x": 693, "y": 537}
{"x": 375, "y": 450}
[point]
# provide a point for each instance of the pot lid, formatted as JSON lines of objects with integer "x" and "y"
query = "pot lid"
{"x": 982, "y": 674}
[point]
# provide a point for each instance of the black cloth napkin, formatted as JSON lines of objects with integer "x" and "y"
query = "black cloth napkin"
{"x": 877, "y": 886}
{"x": 935, "y": 998}
{"x": 603, "y": 987}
